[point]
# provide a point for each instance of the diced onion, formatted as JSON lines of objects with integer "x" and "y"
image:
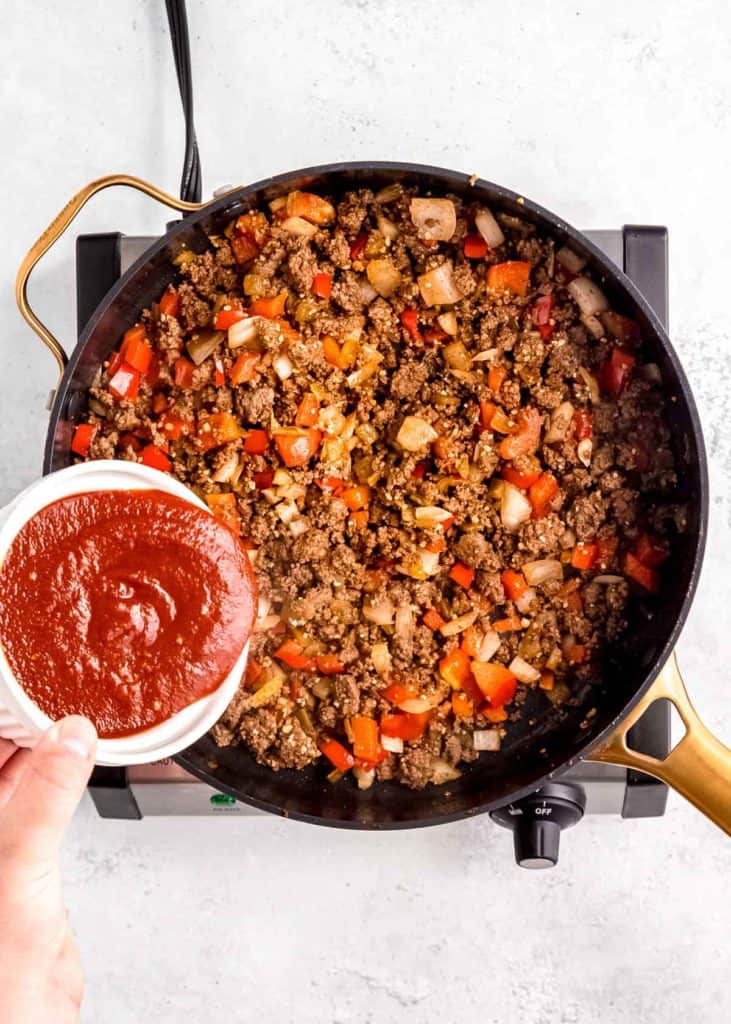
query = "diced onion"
{"x": 242, "y": 332}
{"x": 583, "y": 450}
{"x": 607, "y": 579}
{"x": 367, "y": 291}
{"x": 651, "y": 372}
{"x": 594, "y": 326}
{"x": 458, "y": 625}
{"x": 430, "y": 516}
{"x": 523, "y": 671}
{"x": 387, "y": 227}
{"x": 525, "y": 600}
{"x": 287, "y": 511}
{"x": 379, "y": 612}
{"x": 283, "y": 367}
{"x": 422, "y": 564}
{"x": 381, "y": 658}
{"x": 456, "y": 356}
{"x": 299, "y": 226}
{"x": 559, "y": 423}
{"x": 588, "y": 296}
{"x": 434, "y": 219}
{"x": 281, "y": 478}
{"x": 570, "y": 260}
{"x": 225, "y": 472}
{"x": 389, "y": 192}
{"x": 365, "y": 372}
{"x": 404, "y": 622}
{"x": 489, "y": 228}
{"x": 416, "y": 705}
{"x": 486, "y": 356}
{"x": 437, "y": 287}
{"x": 568, "y": 538}
{"x": 364, "y": 776}
{"x": 415, "y": 434}
{"x": 442, "y": 771}
{"x": 448, "y": 322}
{"x": 204, "y": 344}
{"x": 488, "y": 646}
{"x": 514, "y": 507}
{"x": 298, "y": 526}
{"x": 263, "y": 606}
{"x": 270, "y": 495}
{"x": 486, "y": 739}
{"x": 393, "y": 744}
{"x": 384, "y": 276}
{"x": 591, "y": 383}
{"x": 554, "y": 659}
{"x": 267, "y": 623}
{"x": 541, "y": 570}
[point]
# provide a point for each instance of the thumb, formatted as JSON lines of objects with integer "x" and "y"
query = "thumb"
{"x": 36, "y": 816}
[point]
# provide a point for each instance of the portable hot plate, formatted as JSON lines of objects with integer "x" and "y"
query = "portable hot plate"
{"x": 165, "y": 788}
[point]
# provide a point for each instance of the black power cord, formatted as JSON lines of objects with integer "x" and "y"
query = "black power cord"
{"x": 190, "y": 182}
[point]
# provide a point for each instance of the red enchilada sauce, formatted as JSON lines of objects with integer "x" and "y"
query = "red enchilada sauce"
{"x": 124, "y": 606}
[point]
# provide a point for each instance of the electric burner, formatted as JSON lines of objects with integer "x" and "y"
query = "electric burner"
{"x": 164, "y": 788}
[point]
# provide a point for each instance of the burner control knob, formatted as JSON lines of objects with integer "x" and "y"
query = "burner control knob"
{"x": 537, "y": 821}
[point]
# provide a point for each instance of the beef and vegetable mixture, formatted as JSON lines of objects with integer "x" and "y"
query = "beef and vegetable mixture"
{"x": 437, "y": 441}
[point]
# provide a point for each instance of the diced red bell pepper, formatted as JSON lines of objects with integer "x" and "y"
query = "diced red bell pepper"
{"x": 271, "y": 307}
{"x": 433, "y": 620}
{"x": 219, "y": 377}
{"x": 497, "y": 683}
{"x": 125, "y": 383}
{"x": 263, "y": 480}
{"x": 583, "y": 427}
{"x": 541, "y": 493}
{"x": 584, "y": 556}
{"x": 297, "y": 445}
{"x": 337, "y": 754}
{"x": 228, "y": 316}
{"x": 642, "y": 574}
{"x": 252, "y": 673}
{"x": 183, "y": 371}
{"x": 115, "y": 361}
{"x": 542, "y": 309}
{"x": 329, "y": 664}
{"x": 130, "y": 440}
{"x": 322, "y": 285}
{"x": 358, "y": 246}
{"x": 397, "y": 693}
{"x": 651, "y": 550}
{"x": 462, "y": 574}
{"x": 494, "y": 715}
{"x": 606, "y": 549}
{"x": 512, "y": 276}
{"x": 495, "y": 377}
{"x": 357, "y": 497}
{"x": 216, "y": 429}
{"x": 365, "y": 738}
{"x": 522, "y": 479}
{"x": 308, "y": 411}
{"x": 155, "y": 458}
{"x": 83, "y": 436}
{"x": 341, "y": 356}
{"x": 152, "y": 376}
{"x": 575, "y": 654}
{"x": 419, "y": 470}
{"x": 410, "y": 323}
{"x": 291, "y": 654}
{"x": 244, "y": 368}
{"x": 256, "y": 442}
{"x": 330, "y": 483}
{"x": 454, "y": 668}
{"x": 434, "y": 334}
{"x": 487, "y": 411}
{"x": 404, "y": 726}
{"x": 527, "y": 436}
{"x": 174, "y": 427}
{"x": 475, "y": 246}
{"x": 170, "y": 302}
{"x": 514, "y": 583}
{"x": 510, "y": 624}
{"x": 310, "y": 206}
{"x": 225, "y": 508}
{"x": 249, "y": 234}
{"x": 159, "y": 403}
{"x": 136, "y": 351}
{"x": 462, "y": 705}
{"x": 615, "y": 372}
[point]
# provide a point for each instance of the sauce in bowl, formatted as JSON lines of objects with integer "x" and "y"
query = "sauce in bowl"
{"x": 124, "y": 606}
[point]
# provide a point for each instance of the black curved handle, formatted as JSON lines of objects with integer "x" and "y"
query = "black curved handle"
{"x": 190, "y": 182}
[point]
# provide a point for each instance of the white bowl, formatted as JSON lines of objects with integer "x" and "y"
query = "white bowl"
{"x": 21, "y": 720}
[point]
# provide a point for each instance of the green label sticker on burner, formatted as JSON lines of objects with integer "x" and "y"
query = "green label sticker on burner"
{"x": 222, "y": 800}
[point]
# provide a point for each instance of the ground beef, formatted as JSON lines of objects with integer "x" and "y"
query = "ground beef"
{"x": 372, "y": 493}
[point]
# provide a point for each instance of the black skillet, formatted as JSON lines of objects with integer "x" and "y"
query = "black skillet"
{"x": 639, "y": 669}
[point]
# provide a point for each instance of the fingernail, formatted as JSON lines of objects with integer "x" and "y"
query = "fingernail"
{"x": 75, "y": 734}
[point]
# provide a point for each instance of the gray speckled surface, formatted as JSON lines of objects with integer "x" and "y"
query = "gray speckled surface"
{"x": 606, "y": 113}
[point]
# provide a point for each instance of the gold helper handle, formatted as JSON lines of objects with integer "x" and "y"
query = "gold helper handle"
{"x": 699, "y": 768}
{"x": 57, "y": 227}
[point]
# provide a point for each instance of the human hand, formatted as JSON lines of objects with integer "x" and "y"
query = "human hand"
{"x": 41, "y": 980}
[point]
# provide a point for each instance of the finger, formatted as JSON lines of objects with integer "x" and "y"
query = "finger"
{"x": 69, "y": 975}
{"x": 11, "y": 774}
{"x": 7, "y": 749}
{"x": 34, "y": 819}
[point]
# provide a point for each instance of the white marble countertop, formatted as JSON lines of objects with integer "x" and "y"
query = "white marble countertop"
{"x": 607, "y": 113}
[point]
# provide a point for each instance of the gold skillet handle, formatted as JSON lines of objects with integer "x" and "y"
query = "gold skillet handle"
{"x": 699, "y": 768}
{"x": 54, "y": 231}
